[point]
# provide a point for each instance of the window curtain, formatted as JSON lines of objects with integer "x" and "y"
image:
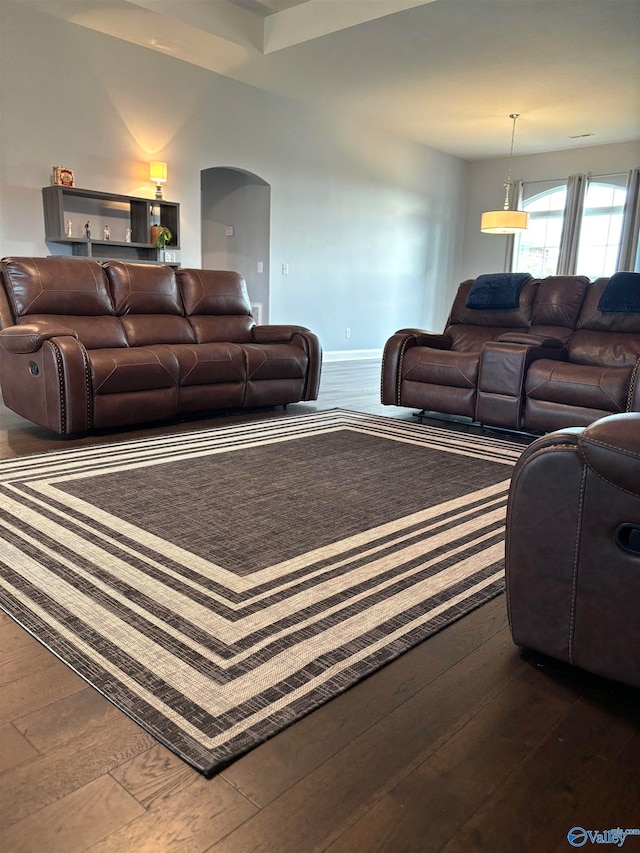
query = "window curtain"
{"x": 516, "y": 200}
{"x": 628, "y": 258}
{"x": 574, "y": 205}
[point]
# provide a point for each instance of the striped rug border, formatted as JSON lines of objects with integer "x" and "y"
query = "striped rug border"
{"x": 51, "y": 546}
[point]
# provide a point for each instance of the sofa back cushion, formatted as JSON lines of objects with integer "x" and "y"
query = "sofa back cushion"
{"x": 518, "y": 318}
{"x": 217, "y": 305}
{"x": 56, "y": 286}
{"x": 69, "y": 292}
{"x": 558, "y": 300}
{"x": 147, "y": 300}
{"x": 93, "y": 332}
{"x": 605, "y": 321}
{"x": 604, "y": 349}
{"x": 473, "y": 338}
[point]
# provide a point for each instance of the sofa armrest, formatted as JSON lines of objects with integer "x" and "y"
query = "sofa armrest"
{"x": 29, "y": 338}
{"x": 276, "y": 334}
{"x": 501, "y": 377}
{"x": 51, "y": 384}
{"x": 503, "y": 364}
{"x": 530, "y": 340}
{"x": 425, "y": 338}
{"x": 297, "y": 336}
{"x": 611, "y": 448}
{"x": 394, "y": 350}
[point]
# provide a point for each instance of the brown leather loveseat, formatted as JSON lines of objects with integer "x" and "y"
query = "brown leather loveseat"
{"x": 87, "y": 346}
{"x": 555, "y": 359}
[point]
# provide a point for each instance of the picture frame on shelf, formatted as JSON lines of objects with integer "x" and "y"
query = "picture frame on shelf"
{"x": 63, "y": 176}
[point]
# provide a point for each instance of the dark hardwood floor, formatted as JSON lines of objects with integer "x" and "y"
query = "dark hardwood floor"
{"x": 461, "y": 744}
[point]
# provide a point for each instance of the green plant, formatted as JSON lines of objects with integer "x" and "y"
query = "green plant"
{"x": 163, "y": 238}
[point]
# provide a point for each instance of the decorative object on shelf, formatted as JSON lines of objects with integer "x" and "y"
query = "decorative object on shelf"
{"x": 162, "y": 236}
{"x": 170, "y": 256}
{"x": 158, "y": 174}
{"x": 506, "y": 221}
{"x": 87, "y": 229}
{"x": 63, "y": 176}
{"x": 69, "y": 228}
{"x": 127, "y": 234}
{"x": 106, "y": 231}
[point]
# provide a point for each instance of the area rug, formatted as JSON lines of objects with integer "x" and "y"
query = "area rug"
{"x": 218, "y": 585}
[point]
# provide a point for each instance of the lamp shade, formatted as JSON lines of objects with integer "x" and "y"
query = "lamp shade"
{"x": 157, "y": 172}
{"x": 504, "y": 221}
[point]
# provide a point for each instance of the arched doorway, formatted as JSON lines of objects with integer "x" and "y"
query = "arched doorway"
{"x": 236, "y": 214}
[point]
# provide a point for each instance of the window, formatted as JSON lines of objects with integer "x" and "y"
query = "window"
{"x": 599, "y": 227}
{"x": 536, "y": 250}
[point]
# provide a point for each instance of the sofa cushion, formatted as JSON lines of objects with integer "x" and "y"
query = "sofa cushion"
{"x": 587, "y": 386}
{"x": 217, "y": 305}
{"x": 605, "y": 321}
{"x": 67, "y": 286}
{"x": 143, "y": 288}
{"x": 558, "y": 300}
{"x": 607, "y": 349}
{"x": 441, "y": 367}
{"x": 116, "y": 371}
{"x": 93, "y": 332}
{"x": 203, "y": 364}
{"x": 275, "y": 361}
{"x": 473, "y": 338}
{"x": 148, "y": 329}
{"x": 147, "y": 299}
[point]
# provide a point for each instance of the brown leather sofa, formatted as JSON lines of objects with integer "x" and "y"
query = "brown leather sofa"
{"x": 87, "y": 346}
{"x": 573, "y": 547}
{"x": 555, "y": 360}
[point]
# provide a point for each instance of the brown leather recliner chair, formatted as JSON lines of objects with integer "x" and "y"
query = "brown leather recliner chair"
{"x": 573, "y": 547}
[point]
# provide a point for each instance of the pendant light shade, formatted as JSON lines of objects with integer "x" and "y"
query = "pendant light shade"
{"x": 505, "y": 221}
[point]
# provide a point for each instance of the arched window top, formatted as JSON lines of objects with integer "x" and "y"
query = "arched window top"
{"x": 547, "y": 201}
{"x": 598, "y": 230}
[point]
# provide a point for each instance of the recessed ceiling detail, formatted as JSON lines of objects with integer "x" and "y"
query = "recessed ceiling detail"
{"x": 443, "y": 73}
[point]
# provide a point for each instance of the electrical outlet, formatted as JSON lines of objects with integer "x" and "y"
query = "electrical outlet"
{"x": 285, "y": 269}
{"x": 347, "y": 332}
{"x": 260, "y": 266}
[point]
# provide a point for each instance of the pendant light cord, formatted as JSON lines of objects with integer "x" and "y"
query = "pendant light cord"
{"x": 507, "y": 186}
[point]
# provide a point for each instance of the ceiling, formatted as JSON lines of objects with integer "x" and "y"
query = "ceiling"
{"x": 445, "y": 73}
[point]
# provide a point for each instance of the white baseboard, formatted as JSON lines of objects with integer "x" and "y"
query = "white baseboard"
{"x": 351, "y": 354}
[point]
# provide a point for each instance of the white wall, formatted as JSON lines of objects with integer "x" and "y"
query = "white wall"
{"x": 370, "y": 225}
{"x": 485, "y": 253}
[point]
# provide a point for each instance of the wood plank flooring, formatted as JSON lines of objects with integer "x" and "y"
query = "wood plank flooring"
{"x": 461, "y": 744}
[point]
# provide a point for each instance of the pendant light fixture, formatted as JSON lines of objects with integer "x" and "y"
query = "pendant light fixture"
{"x": 505, "y": 221}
